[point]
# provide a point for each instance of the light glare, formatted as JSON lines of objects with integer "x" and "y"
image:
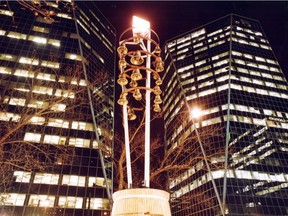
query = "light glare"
{"x": 195, "y": 113}
{"x": 140, "y": 26}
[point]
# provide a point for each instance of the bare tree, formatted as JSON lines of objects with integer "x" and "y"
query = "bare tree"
{"x": 175, "y": 160}
{"x": 26, "y": 107}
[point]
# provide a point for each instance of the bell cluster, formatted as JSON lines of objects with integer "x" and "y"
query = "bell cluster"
{"x": 133, "y": 69}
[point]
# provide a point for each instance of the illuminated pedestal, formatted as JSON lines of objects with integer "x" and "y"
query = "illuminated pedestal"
{"x": 141, "y": 201}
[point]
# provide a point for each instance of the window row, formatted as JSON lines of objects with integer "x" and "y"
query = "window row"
{"x": 54, "y": 179}
{"x": 31, "y": 61}
{"x": 242, "y": 41}
{"x": 60, "y": 140}
{"x": 278, "y": 179}
{"x": 237, "y": 87}
{"x": 36, "y": 39}
{"x": 43, "y": 76}
{"x": 60, "y": 107}
{"x": 14, "y": 199}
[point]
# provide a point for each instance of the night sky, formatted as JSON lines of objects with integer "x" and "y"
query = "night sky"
{"x": 172, "y": 18}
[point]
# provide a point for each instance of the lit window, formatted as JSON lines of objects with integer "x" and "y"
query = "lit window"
{"x": 41, "y": 200}
{"x": 37, "y": 120}
{"x": 24, "y": 73}
{"x": 204, "y": 76}
{"x": 52, "y": 4}
{"x": 17, "y": 35}
{"x": 7, "y": 57}
{"x": 207, "y": 92}
{"x": 82, "y": 25}
{"x": 64, "y": 93}
{"x": 25, "y": 60}
{"x": 58, "y": 107}
{"x": 46, "y": 178}
{"x": 73, "y": 180}
{"x": 5, "y": 116}
{"x": 98, "y": 203}
{"x": 259, "y": 121}
{"x": 74, "y": 81}
{"x": 12, "y": 199}
{"x": 45, "y": 76}
{"x": 37, "y": 39}
{"x": 50, "y": 64}
{"x": 223, "y": 87}
{"x": 70, "y": 202}
{"x": 79, "y": 142}
{"x": 6, "y": 12}
{"x": 211, "y": 121}
{"x": 38, "y": 104}
{"x": 54, "y": 42}
{"x": 259, "y": 59}
{"x": 64, "y": 15}
{"x": 42, "y": 90}
{"x": 82, "y": 125}
{"x": 73, "y": 56}
{"x": 58, "y": 123}
{"x": 32, "y": 137}
{"x": 5, "y": 70}
{"x": 40, "y": 29}
{"x": 261, "y": 91}
{"x": 54, "y": 139}
{"x": 97, "y": 181}
{"x": 95, "y": 144}
{"x": 17, "y": 101}
{"x": 61, "y": 79}
{"x": 22, "y": 176}
{"x": 2, "y": 32}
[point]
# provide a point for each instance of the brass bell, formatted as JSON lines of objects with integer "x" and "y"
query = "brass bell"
{"x": 137, "y": 59}
{"x": 157, "y": 50}
{"x": 157, "y": 90}
{"x": 137, "y": 95}
{"x": 122, "y": 79}
{"x": 122, "y": 50}
{"x": 137, "y": 39}
{"x": 122, "y": 63}
{"x": 133, "y": 84}
{"x": 158, "y": 81}
{"x": 158, "y": 99}
{"x": 157, "y": 108}
{"x": 123, "y": 99}
{"x": 136, "y": 75}
{"x": 159, "y": 65}
{"x": 131, "y": 114}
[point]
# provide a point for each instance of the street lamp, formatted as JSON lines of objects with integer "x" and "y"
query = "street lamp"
{"x": 135, "y": 55}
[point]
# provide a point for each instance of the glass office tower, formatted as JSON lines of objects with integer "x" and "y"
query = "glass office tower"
{"x": 227, "y": 69}
{"x": 56, "y": 96}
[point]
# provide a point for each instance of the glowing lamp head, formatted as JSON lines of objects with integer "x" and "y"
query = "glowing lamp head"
{"x": 140, "y": 26}
{"x": 195, "y": 113}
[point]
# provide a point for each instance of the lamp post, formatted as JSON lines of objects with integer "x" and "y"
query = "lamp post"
{"x": 139, "y": 60}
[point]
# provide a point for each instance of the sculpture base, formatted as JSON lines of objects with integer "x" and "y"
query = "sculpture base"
{"x": 140, "y": 202}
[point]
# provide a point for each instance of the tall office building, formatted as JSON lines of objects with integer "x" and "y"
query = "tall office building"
{"x": 56, "y": 95}
{"x": 227, "y": 69}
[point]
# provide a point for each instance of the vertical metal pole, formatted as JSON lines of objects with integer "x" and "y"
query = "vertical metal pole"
{"x": 147, "y": 117}
{"x": 127, "y": 146}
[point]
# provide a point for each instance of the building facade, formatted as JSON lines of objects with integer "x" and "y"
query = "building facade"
{"x": 228, "y": 70}
{"x": 57, "y": 104}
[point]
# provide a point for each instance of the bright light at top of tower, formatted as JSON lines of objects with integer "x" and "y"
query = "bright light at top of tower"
{"x": 140, "y": 26}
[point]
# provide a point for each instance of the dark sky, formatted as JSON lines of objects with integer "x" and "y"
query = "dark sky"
{"x": 172, "y": 18}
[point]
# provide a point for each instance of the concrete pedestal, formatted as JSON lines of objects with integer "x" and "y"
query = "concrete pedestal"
{"x": 141, "y": 202}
